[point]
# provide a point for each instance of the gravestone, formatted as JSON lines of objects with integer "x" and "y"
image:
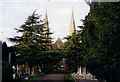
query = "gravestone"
{"x": 9, "y": 58}
{"x": 33, "y": 71}
{"x": 84, "y": 71}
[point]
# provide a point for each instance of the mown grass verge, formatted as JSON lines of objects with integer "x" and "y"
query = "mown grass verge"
{"x": 37, "y": 77}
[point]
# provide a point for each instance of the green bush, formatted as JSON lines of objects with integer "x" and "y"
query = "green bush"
{"x": 69, "y": 78}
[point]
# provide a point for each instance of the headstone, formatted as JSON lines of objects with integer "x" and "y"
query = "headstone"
{"x": 28, "y": 70}
{"x": 80, "y": 71}
{"x": 14, "y": 75}
{"x": 33, "y": 71}
{"x": 82, "y": 74}
{"x": 9, "y": 59}
{"x": 17, "y": 69}
{"x": 20, "y": 69}
{"x": 84, "y": 71}
{"x": 14, "y": 69}
{"x": 26, "y": 78}
{"x": 39, "y": 69}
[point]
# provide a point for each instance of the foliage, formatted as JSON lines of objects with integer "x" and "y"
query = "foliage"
{"x": 102, "y": 41}
{"x": 6, "y": 71}
{"x": 48, "y": 58}
{"x": 34, "y": 40}
{"x": 69, "y": 78}
{"x": 73, "y": 49}
{"x": 35, "y": 36}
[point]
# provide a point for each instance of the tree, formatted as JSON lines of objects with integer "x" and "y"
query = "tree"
{"x": 35, "y": 38}
{"x": 6, "y": 71}
{"x": 73, "y": 49}
{"x": 102, "y": 41}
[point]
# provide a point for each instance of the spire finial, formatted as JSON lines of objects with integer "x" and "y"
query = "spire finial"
{"x": 72, "y": 10}
{"x": 46, "y": 10}
{"x": 46, "y": 20}
{"x": 72, "y": 24}
{"x": 46, "y": 15}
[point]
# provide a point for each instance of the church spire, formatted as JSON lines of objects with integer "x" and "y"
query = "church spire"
{"x": 72, "y": 25}
{"x": 47, "y": 31}
{"x": 46, "y": 21}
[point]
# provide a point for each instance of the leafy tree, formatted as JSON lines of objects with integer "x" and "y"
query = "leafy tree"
{"x": 102, "y": 41}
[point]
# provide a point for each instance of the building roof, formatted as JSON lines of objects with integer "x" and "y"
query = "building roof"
{"x": 58, "y": 44}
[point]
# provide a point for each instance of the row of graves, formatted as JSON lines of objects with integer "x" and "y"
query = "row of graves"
{"x": 24, "y": 72}
{"x": 83, "y": 74}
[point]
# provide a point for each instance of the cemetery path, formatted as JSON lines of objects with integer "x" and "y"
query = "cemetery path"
{"x": 52, "y": 78}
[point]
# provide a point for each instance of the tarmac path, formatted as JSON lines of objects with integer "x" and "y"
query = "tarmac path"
{"x": 52, "y": 78}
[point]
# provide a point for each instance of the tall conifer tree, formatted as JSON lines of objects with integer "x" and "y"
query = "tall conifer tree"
{"x": 101, "y": 39}
{"x": 34, "y": 36}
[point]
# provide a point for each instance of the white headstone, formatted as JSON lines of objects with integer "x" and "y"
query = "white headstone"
{"x": 14, "y": 76}
{"x": 13, "y": 67}
{"x": 33, "y": 71}
{"x": 84, "y": 71}
{"x": 17, "y": 69}
{"x": 28, "y": 70}
{"x": 80, "y": 71}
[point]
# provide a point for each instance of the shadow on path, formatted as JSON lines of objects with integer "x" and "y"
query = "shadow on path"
{"x": 87, "y": 81}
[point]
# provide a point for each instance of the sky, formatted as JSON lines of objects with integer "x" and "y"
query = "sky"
{"x": 13, "y": 14}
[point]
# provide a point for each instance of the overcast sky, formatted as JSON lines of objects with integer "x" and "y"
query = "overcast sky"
{"x": 14, "y": 13}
